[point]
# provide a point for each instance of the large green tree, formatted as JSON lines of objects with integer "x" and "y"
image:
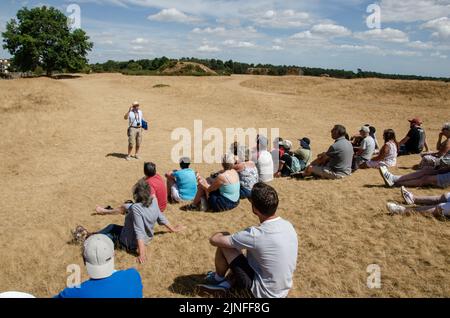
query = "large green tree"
{"x": 42, "y": 37}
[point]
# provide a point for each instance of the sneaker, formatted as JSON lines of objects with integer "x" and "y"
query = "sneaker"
{"x": 387, "y": 176}
{"x": 395, "y": 208}
{"x": 407, "y": 196}
{"x": 128, "y": 158}
{"x": 216, "y": 291}
{"x": 211, "y": 279}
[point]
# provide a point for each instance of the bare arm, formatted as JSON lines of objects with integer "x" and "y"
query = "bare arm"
{"x": 444, "y": 148}
{"x": 142, "y": 258}
{"x": 403, "y": 141}
{"x": 176, "y": 228}
{"x": 127, "y": 114}
{"x": 221, "y": 239}
{"x": 439, "y": 142}
{"x": 382, "y": 154}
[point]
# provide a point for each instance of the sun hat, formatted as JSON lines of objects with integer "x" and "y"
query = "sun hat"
{"x": 305, "y": 143}
{"x": 287, "y": 144}
{"x": 185, "y": 160}
{"x": 228, "y": 158}
{"x": 415, "y": 120}
{"x": 99, "y": 256}
{"x": 365, "y": 129}
{"x": 446, "y": 126}
{"x": 135, "y": 103}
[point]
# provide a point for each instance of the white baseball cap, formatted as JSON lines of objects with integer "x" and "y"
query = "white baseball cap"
{"x": 135, "y": 103}
{"x": 365, "y": 129}
{"x": 99, "y": 256}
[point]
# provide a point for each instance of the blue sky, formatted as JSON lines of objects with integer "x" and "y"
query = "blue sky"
{"x": 414, "y": 37}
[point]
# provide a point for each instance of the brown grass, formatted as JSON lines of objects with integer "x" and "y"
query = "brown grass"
{"x": 56, "y": 137}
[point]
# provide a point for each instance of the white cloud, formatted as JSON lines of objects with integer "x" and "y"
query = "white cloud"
{"x": 386, "y": 35}
{"x": 438, "y": 54}
{"x": 420, "y": 45}
{"x": 441, "y": 27}
{"x": 302, "y": 35}
{"x": 139, "y": 41}
{"x": 330, "y": 30}
{"x": 238, "y": 44}
{"x": 209, "y": 30}
{"x": 281, "y": 19}
{"x": 413, "y": 10}
{"x": 277, "y": 48}
{"x": 208, "y": 49}
{"x": 173, "y": 15}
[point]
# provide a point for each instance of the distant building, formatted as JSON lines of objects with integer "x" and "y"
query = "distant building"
{"x": 258, "y": 71}
{"x": 4, "y": 66}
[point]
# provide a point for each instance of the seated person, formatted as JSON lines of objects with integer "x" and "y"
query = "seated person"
{"x": 336, "y": 163}
{"x": 267, "y": 268}
{"x": 105, "y": 281}
{"x": 156, "y": 184}
{"x": 426, "y": 177}
{"x": 263, "y": 159}
{"x": 248, "y": 175}
{"x": 285, "y": 165}
{"x": 238, "y": 151}
{"x": 140, "y": 220}
{"x": 387, "y": 155}
{"x": 304, "y": 153}
{"x": 433, "y": 160}
{"x": 415, "y": 141}
{"x": 437, "y": 206}
{"x": 364, "y": 151}
{"x": 182, "y": 183}
{"x": 277, "y": 152}
{"x": 221, "y": 192}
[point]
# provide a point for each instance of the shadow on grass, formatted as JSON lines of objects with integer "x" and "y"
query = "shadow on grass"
{"x": 65, "y": 76}
{"x": 372, "y": 186}
{"x": 117, "y": 155}
{"x": 187, "y": 285}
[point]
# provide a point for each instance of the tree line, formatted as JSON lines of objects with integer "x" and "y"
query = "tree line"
{"x": 151, "y": 66}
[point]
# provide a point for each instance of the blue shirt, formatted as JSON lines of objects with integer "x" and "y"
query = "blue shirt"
{"x": 121, "y": 284}
{"x": 187, "y": 183}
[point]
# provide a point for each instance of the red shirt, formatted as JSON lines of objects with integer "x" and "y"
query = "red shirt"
{"x": 158, "y": 188}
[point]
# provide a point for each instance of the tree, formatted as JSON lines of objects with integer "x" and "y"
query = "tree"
{"x": 41, "y": 37}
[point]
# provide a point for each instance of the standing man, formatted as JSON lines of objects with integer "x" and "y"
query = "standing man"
{"x": 134, "y": 117}
{"x": 415, "y": 141}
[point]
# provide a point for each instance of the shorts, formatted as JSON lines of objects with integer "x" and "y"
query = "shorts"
{"x": 443, "y": 180}
{"x": 218, "y": 203}
{"x": 243, "y": 273}
{"x": 245, "y": 193}
{"x": 325, "y": 173}
{"x": 134, "y": 137}
{"x": 175, "y": 194}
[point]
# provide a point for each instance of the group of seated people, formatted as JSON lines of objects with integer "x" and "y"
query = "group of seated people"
{"x": 267, "y": 268}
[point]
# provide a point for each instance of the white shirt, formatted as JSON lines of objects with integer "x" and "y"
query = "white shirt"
{"x": 134, "y": 120}
{"x": 265, "y": 166}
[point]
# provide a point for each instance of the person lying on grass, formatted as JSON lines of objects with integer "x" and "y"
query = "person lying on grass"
{"x": 140, "y": 220}
{"x": 426, "y": 177}
{"x": 437, "y": 206}
{"x": 271, "y": 258}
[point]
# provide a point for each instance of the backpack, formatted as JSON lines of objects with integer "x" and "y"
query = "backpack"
{"x": 295, "y": 166}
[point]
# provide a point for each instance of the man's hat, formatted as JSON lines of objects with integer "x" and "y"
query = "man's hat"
{"x": 305, "y": 143}
{"x": 136, "y": 103}
{"x": 365, "y": 129}
{"x": 287, "y": 144}
{"x": 185, "y": 160}
{"x": 99, "y": 256}
{"x": 416, "y": 121}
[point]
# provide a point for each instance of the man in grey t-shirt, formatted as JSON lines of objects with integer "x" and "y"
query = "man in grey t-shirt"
{"x": 272, "y": 247}
{"x": 365, "y": 151}
{"x": 336, "y": 163}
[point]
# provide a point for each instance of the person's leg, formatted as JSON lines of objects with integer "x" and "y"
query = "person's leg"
{"x": 131, "y": 141}
{"x": 138, "y": 142}
{"x": 198, "y": 197}
{"x": 414, "y": 175}
{"x": 112, "y": 231}
{"x": 430, "y": 200}
{"x": 420, "y": 182}
{"x": 308, "y": 171}
{"x": 169, "y": 183}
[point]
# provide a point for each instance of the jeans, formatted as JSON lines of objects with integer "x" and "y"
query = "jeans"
{"x": 113, "y": 232}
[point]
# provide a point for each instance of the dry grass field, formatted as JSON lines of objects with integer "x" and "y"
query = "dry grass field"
{"x": 61, "y": 154}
